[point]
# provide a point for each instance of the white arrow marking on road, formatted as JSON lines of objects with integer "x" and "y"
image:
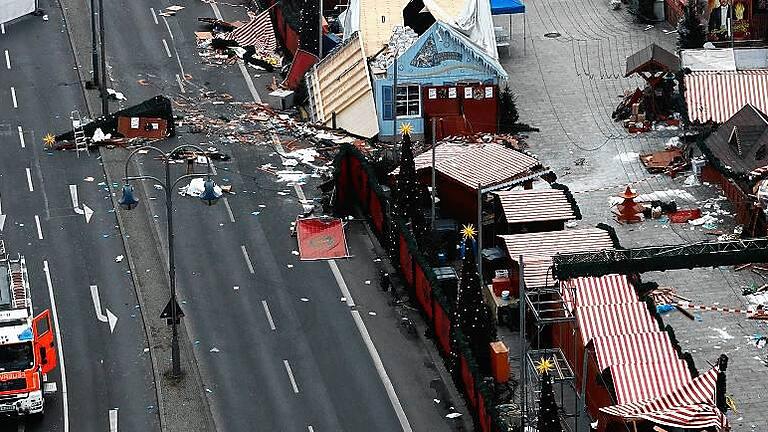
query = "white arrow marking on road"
{"x": 109, "y": 317}
{"x": 113, "y": 420}
{"x": 75, "y": 200}
{"x": 97, "y": 304}
{"x": 88, "y": 213}
{"x": 2, "y": 222}
{"x": 13, "y": 96}
{"x": 21, "y": 138}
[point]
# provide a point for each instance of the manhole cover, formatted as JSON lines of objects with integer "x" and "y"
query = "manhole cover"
{"x": 552, "y": 35}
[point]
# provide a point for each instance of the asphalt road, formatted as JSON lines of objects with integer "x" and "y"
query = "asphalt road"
{"x": 105, "y": 370}
{"x": 280, "y": 352}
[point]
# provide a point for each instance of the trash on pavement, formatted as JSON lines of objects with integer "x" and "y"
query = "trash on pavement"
{"x": 119, "y": 258}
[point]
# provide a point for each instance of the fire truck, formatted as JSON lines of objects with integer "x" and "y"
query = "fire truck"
{"x": 27, "y": 347}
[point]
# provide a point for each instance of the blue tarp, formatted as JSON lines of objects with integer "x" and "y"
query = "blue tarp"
{"x": 507, "y": 7}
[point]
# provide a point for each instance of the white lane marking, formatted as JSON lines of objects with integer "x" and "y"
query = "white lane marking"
{"x": 21, "y": 138}
{"x": 62, "y": 367}
{"x": 240, "y": 64}
{"x": 7, "y": 60}
{"x": 39, "y": 229}
{"x": 113, "y": 420}
{"x": 393, "y": 399}
{"x": 340, "y": 281}
{"x": 181, "y": 86}
{"x": 269, "y": 315}
{"x": 2, "y": 28}
{"x": 75, "y": 201}
{"x": 229, "y": 210}
{"x": 29, "y": 180}
{"x": 154, "y": 16}
{"x": 247, "y": 259}
{"x": 1, "y": 205}
{"x": 2, "y": 217}
{"x": 97, "y": 304}
{"x": 173, "y": 41}
{"x": 167, "y": 51}
{"x": 290, "y": 376}
{"x": 310, "y": 429}
{"x": 249, "y": 81}
{"x": 13, "y": 96}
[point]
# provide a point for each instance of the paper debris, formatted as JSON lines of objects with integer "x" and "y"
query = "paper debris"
{"x": 453, "y": 415}
{"x": 88, "y": 179}
{"x": 119, "y": 258}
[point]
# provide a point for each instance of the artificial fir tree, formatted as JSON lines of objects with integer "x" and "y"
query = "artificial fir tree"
{"x": 508, "y": 115}
{"x": 548, "y": 419}
{"x": 471, "y": 313}
{"x": 691, "y": 32}
{"x": 410, "y": 192}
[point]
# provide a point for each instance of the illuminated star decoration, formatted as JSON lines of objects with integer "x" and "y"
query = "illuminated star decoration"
{"x": 49, "y": 139}
{"x": 468, "y": 231}
{"x": 406, "y": 129}
{"x": 544, "y": 365}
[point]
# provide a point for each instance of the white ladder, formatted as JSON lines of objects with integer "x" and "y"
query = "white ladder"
{"x": 77, "y": 129}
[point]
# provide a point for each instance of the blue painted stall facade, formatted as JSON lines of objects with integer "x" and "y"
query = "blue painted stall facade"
{"x": 440, "y": 57}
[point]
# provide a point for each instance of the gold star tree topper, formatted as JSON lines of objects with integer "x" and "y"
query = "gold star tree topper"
{"x": 406, "y": 129}
{"x": 49, "y": 139}
{"x": 544, "y": 365}
{"x": 468, "y": 231}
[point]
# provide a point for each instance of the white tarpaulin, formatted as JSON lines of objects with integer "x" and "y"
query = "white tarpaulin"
{"x": 724, "y": 59}
{"x": 475, "y": 21}
{"x": 12, "y": 9}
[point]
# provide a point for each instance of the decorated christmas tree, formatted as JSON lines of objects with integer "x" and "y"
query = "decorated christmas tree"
{"x": 410, "y": 192}
{"x": 471, "y": 312}
{"x": 690, "y": 30}
{"x": 548, "y": 419}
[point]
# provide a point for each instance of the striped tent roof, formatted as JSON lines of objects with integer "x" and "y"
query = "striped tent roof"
{"x": 534, "y": 205}
{"x": 593, "y": 291}
{"x": 538, "y": 249}
{"x": 611, "y": 320}
{"x": 690, "y": 405}
{"x": 633, "y": 383}
{"x": 719, "y": 95}
{"x": 489, "y": 165}
{"x": 634, "y": 349}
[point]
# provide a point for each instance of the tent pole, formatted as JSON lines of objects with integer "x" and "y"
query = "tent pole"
{"x": 525, "y": 29}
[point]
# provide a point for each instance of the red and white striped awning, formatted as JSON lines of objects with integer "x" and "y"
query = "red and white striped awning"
{"x": 690, "y": 405}
{"x": 718, "y": 95}
{"x": 610, "y": 320}
{"x": 593, "y": 291}
{"x": 634, "y": 382}
{"x": 634, "y": 349}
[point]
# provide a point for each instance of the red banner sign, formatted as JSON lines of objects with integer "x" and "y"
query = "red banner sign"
{"x": 321, "y": 238}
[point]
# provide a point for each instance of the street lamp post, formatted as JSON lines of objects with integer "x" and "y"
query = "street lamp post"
{"x": 128, "y": 202}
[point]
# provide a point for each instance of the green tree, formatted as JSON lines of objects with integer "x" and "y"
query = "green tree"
{"x": 548, "y": 418}
{"x": 472, "y": 314}
{"x": 690, "y": 30}
{"x": 508, "y": 115}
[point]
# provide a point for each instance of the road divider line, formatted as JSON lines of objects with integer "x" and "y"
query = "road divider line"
{"x": 340, "y": 281}
{"x": 269, "y": 315}
{"x": 2, "y": 28}
{"x": 13, "y": 96}
{"x": 21, "y": 138}
{"x": 62, "y": 367}
{"x": 29, "y": 180}
{"x": 229, "y": 210}
{"x": 39, "y": 229}
{"x": 113, "y": 420}
{"x": 167, "y": 50}
{"x": 247, "y": 259}
{"x": 310, "y": 428}
{"x": 154, "y": 16}
{"x": 290, "y": 376}
{"x": 393, "y": 399}
{"x": 181, "y": 85}
{"x": 7, "y": 60}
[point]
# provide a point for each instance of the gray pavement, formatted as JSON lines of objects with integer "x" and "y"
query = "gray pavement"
{"x": 568, "y": 87}
{"x": 104, "y": 370}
